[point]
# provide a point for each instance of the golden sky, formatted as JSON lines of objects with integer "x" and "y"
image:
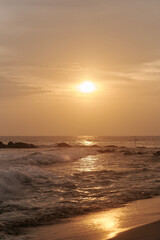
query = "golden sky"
{"x": 49, "y": 47}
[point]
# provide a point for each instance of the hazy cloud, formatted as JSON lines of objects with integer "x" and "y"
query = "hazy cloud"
{"x": 47, "y": 47}
{"x": 10, "y": 89}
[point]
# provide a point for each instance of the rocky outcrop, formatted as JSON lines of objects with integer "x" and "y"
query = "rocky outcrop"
{"x": 157, "y": 153}
{"x": 63, "y": 145}
{"x": 2, "y": 145}
{"x": 112, "y": 146}
{"x": 106, "y": 150}
{"x": 17, "y": 145}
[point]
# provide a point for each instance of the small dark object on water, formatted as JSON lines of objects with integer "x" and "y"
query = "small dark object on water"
{"x": 140, "y": 153}
{"x": 17, "y": 145}
{"x": 127, "y": 152}
{"x": 156, "y": 153}
{"x": 132, "y": 153}
{"x": 2, "y": 145}
{"x": 111, "y": 146}
{"x": 141, "y": 147}
{"x": 106, "y": 151}
{"x": 63, "y": 145}
{"x": 93, "y": 146}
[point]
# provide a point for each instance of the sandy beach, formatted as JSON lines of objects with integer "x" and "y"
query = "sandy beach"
{"x": 138, "y": 220}
{"x": 147, "y": 232}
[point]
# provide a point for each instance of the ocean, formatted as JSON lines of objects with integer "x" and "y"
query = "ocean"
{"x": 52, "y": 183}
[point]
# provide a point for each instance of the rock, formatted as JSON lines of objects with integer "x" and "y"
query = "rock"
{"x": 2, "y": 145}
{"x": 140, "y": 153}
{"x": 63, "y": 145}
{"x": 106, "y": 151}
{"x": 24, "y": 145}
{"x": 156, "y": 153}
{"x": 128, "y": 152}
{"x": 10, "y": 144}
{"x": 111, "y": 146}
{"x": 17, "y": 145}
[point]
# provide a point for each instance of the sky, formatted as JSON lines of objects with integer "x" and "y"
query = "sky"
{"x": 49, "y": 47}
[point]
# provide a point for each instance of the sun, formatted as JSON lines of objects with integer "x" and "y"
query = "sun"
{"x": 87, "y": 87}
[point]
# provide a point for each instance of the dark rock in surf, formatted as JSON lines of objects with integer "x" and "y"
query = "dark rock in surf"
{"x": 2, "y": 145}
{"x": 10, "y": 144}
{"x": 17, "y": 145}
{"x": 132, "y": 153}
{"x": 140, "y": 153}
{"x": 106, "y": 151}
{"x": 128, "y": 152}
{"x": 141, "y": 147}
{"x": 111, "y": 146}
{"x": 156, "y": 153}
{"x": 24, "y": 145}
{"x": 63, "y": 145}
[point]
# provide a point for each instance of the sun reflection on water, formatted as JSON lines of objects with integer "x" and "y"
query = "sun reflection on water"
{"x": 87, "y": 143}
{"x": 110, "y": 223}
{"x": 88, "y": 163}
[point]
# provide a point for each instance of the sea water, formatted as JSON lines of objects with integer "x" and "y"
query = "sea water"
{"x": 51, "y": 183}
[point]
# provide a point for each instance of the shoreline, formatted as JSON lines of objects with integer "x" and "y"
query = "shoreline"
{"x": 149, "y": 231}
{"x": 128, "y": 221}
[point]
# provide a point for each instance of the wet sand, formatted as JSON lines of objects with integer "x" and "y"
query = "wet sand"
{"x": 138, "y": 220}
{"x": 147, "y": 232}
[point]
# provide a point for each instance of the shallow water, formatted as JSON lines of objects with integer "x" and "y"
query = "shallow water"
{"x": 50, "y": 183}
{"x": 103, "y": 225}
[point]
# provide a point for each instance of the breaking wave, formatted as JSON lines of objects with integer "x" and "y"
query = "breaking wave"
{"x": 50, "y": 184}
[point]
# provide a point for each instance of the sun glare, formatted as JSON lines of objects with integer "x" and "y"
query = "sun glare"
{"x": 87, "y": 87}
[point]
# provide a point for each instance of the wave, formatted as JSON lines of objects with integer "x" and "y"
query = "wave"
{"x": 29, "y": 172}
{"x": 40, "y": 158}
{"x": 67, "y": 145}
{"x": 68, "y": 209}
{"x": 36, "y": 191}
{"x": 11, "y": 183}
{"x": 15, "y": 180}
{"x": 51, "y": 156}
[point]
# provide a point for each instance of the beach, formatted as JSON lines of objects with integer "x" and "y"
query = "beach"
{"x": 137, "y": 220}
{"x": 147, "y": 232}
{"x": 77, "y": 187}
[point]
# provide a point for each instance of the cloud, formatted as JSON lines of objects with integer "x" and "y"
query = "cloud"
{"x": 148, "y": 71}
{"x": 97, "y": 34}
{"x": 10, "y": 89}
